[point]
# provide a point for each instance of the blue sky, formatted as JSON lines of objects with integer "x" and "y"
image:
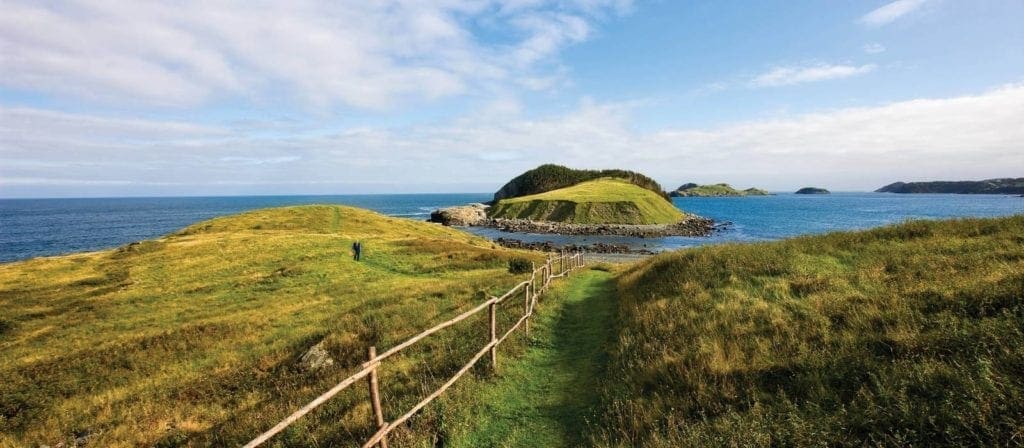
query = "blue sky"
{"x": 138, "y": 99}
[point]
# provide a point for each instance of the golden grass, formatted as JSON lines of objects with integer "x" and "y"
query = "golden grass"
{"x": 193, "y": 339}
{"x": 907, "y": 335}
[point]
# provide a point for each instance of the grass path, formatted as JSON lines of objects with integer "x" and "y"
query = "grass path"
{"x": 546, "y": 397}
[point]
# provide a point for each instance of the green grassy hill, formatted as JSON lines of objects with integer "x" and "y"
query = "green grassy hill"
{"x": 715, "y": 190}
{"x": 908, "y": 335}
{"x": 194, "y": 339}
{"x": 601, "y": 201}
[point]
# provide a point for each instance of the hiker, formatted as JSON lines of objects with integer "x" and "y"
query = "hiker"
{"x": 356, "y": 249}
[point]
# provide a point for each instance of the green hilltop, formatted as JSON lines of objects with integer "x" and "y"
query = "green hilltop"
{"x": 600, "y": 201}
{"x": 552, "y": 177}
{"x": 715, "y": 190}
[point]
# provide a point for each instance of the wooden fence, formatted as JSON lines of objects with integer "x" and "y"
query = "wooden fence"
{"x": 531, "y": 289}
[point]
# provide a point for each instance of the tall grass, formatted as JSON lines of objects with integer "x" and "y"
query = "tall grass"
{"x": 908, "y": 335}
{"x": 194, "y": 339}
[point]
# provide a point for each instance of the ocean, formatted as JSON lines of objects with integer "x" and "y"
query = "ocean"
{"x": 43, "y": 227}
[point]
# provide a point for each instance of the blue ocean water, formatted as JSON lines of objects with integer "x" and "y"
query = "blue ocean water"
{"x": 40, "y": 227}
{"x": 760, "y": 218}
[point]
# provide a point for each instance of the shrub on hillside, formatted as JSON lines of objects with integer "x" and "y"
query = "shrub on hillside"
{"x": 519, "y": 265}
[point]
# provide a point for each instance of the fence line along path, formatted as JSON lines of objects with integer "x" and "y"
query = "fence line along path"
{"x": 531, "y": 290}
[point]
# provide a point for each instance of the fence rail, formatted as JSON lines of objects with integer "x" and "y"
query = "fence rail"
{"x": 531, "y": 289}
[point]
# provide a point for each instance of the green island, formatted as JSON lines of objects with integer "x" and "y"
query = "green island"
{"x": 599, "y": 201}
{"x": 908, "y": 334}
{"x": 715, "y": 190}
{"x": 812, "y": 190}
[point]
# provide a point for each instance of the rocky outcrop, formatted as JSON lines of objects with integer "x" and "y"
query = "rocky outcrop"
{"x": 315, "y": 358}
{"x": 548, "y": 246}
{"x": 691, "y": 226}
{"x": 463, "y": 215}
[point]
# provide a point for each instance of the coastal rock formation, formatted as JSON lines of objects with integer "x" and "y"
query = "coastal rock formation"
{"x": 988, "y": 186}
{"x": 548, "y": 246}
{"x": 463, "y": 215}
{"x": 716, "y": 190}
{"x": 812, "y": 190}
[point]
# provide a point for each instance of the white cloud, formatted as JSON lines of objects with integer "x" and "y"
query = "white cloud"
{"x": 874, "y": 48}
{"x": 890, "y": 12}
{"x": 977, "y": 136}
{"x": 368, "y": 54}
{"x": 784, "y": 76}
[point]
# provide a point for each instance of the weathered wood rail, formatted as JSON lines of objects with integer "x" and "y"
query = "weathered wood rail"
{"x": 539, "y": 281}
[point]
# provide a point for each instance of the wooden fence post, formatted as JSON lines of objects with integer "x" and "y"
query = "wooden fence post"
{"x": 526, "y": 309}
{"x": 494, "y": 337}
{"x": 533, "y": 276}
{"x": 378, "y": 412}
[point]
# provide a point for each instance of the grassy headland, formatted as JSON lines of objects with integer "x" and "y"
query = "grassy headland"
{"x": 194, "y": 339}
{"x": 715, "y": 190}
{"x": 907, "y": 335}
{"x": 988, "y": 186}
{"x": 600, "y": 201}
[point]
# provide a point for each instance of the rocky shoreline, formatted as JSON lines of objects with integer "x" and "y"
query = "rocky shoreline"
{"x": 548, "y": 246}
{"x": 475, "y": 215}
{"x": 692, "y": 226}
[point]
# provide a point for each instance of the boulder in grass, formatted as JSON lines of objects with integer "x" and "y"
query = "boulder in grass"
{"x": 316, "y": 358}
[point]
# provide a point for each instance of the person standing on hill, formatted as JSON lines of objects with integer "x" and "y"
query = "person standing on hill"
{"x": 357, "y": 247}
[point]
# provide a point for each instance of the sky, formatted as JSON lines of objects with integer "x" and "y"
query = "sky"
{"x": 203, "y": 98}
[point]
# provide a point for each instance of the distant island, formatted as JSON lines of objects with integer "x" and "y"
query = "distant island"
{"x": 988, "y": 186}
{"x": 812, "y": 190}
{"x": 560, "y": 200}
{"x": 715, "y": 190}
